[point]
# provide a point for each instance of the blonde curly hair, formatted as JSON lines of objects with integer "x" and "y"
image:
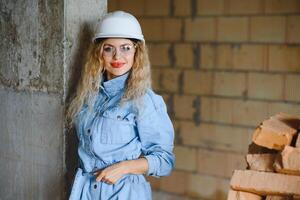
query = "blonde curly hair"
{"x": 139, "y": 79}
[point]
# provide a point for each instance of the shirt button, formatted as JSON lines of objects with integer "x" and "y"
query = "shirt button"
{"x": 95, "y": 186}
{"x": 89, "y": 130}
{"x": 119, "y": 117}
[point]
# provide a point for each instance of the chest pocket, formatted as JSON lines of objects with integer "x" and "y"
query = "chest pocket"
{"x": 118, "y": 127}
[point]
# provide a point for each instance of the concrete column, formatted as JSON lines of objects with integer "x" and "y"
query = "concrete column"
{"x": 42, "y": 47}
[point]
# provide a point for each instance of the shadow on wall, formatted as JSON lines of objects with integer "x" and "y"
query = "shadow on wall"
{"x": 76, "y": 68}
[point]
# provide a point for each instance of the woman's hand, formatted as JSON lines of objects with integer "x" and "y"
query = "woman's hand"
{"x": 114, "y": 172}
{"x": 111, "y": 174}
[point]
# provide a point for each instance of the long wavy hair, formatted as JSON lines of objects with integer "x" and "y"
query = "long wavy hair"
{"x": 139, "y": 79}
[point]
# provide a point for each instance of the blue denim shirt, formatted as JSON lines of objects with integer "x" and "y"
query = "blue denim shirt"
{"x": 114, "y": 132}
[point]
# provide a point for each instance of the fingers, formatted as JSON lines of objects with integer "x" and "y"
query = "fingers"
{"x": 102, "y": 176}
{"x": 110, "y": 175}
{"x": 106, "y": 178}
{"x": 108, "y": 181}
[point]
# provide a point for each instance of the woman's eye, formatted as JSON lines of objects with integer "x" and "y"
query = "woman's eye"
{"x": 108, "y": 49}
{"x": 126, "y": 48}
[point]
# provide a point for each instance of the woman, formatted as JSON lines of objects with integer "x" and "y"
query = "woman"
{"x": 123, "y": 127}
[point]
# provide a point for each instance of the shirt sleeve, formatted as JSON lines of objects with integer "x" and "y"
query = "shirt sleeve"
{"x": 156, "y": 133}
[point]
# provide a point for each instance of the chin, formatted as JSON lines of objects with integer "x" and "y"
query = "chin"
{"x": 119, "y": 72}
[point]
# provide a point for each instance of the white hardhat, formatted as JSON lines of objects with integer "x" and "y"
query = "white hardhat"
{"x": 119, "y": 24}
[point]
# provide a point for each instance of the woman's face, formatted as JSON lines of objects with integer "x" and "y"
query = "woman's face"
{"x": 118, "y": 56}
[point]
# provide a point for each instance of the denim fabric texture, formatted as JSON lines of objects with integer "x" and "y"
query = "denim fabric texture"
{"x": 112, "y": 132}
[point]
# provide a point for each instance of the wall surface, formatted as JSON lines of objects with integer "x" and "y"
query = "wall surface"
{"x": 40, "y": 48}
{"x": 222, "y": 66}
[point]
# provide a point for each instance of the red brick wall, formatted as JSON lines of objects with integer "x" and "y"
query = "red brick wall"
{"x": 222, "y": 66}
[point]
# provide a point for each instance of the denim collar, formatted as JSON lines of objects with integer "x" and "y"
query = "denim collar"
{"x": 115, "y": 85}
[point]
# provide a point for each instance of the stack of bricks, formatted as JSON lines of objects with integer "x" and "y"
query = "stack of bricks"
{"x": 273, "y": 160}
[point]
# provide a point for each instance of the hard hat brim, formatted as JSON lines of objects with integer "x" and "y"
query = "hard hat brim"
{"x": 104, "y": 36}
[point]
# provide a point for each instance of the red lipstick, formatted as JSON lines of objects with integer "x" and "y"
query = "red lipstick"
{"x": 117, "y": 64}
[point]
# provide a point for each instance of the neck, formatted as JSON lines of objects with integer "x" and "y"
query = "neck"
{"x": 110, "y": 76}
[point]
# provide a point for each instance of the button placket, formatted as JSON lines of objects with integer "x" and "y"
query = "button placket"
{"x": 103, "y": 133}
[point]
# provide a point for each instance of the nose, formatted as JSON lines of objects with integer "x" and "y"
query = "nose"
{"x": 117, "y": 53}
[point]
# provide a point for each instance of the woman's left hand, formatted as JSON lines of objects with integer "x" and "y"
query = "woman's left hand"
{"x": 111, "y": 174}
{"x": 114, "y": 172}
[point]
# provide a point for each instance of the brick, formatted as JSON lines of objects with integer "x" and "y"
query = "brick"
{"x": 207, "y": 187}
{"x": 186, "y": 158}
{"x": 293, "y": 29}
{"x": 298, "y": 141}
{"x": 278, "y": 165}
{"x": 239, "y": 195}
{"x": 176, "y": 125}
{"x": 206, "y": 109}
{"x": 200, "y": 29}
{"x": 284, "y": 58}
{"x": 184, "y": 106}
{"x": 232, "y": 138}
{"x": 245, "y": 7}
{"x": 182, "y": 8}
{"x": 232, "y": 29}
{"x": 166, "y": 98}
{"x": 267, "y": 29}
{"x": 266, "y": 86}
{"x": 216, "y": 137}
{"x": 209, "y": 162}
{"x": 292, "y": 109}
{"x": 289, "y": 120}
{"x": 242, "y": 57}
{"x": 282, "y": 6}
{"x": 197, "y": 82}
{"x": 184, "y": 55}
{"x": 256, "y": 149}
{"x": 261, "y": 162}
{"x": 229, "y": 84}
{"x": 172, "y": 29}
{"x": 152, "y": 28}
{"x": 133, "y": 7}
{"x": 230, "y": 111}
{"x": 249, "y": 113}
{"x": 156, "y": 79}
{"x": 291, "y": 160}
{"x": 169, "y": 80}
{"x": 160, "y": 195}
{"x": 112, "y": 5}
{"x": 292, "y": 83}
{"x": 208, "y": 54}
{"x": 221, "y": 110}
{"x": 159, "y": 54}
{"x": 224, "y": 56}
{"x": 273, "y": 197}
{"x": 273, "y": 134}
{"x": 210, "y": 7}
{"x": 152, "y": 8}
{"x": 249, "y": 57}
{"x": 155, "y": 182}
{"x": 263, "y": 183}
{"x": 172, "y": 183}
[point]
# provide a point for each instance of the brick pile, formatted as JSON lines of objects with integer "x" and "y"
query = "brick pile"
{"x": 273, "y": 160}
